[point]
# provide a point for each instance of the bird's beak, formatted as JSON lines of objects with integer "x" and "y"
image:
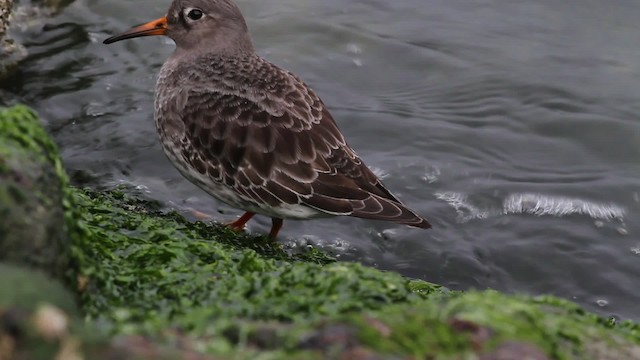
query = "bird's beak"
{"x": 155, "y": 27}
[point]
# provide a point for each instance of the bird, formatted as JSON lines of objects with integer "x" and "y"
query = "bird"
{"x": 250, "y": 133}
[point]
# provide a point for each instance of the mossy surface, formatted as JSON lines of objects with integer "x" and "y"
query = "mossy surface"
{"x": 155, "y": 269}
{"x": 26, "y": 290}
{"x": 488, "y": 325}
{"x": 192, "y": 288}
{"x": 39, "y": 319}
{"x": 149, "y": 271}
{"x": 473, "y": 325}
{"x": 21, "y": 124}
{"x": 31, "y": 191}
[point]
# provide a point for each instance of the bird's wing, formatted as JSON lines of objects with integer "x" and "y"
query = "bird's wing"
{"x": 293, "y": 154}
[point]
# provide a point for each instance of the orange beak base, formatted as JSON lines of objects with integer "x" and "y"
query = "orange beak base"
{"x": 152, "y": 28}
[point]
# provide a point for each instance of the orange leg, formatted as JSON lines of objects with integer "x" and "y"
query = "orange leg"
{"x": 276, "y": 225}
{"x": 239, "y": 224}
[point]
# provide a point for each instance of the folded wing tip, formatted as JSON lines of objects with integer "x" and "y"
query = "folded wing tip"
{"x": 379, "y": 208}
{"x": 422, "y": 224}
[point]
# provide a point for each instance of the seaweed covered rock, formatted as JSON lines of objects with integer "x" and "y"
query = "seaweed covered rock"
{"x": 490, "y": 325}
{"x": 39, "y": 319}
{"x": 483, "y": 325}
{"x": 36, "y": 313}
{"x": 138, "y": 261}
{"x": 155, "y": 273}
{"x": 32, "y": 226}
{"x": 152, "y": 285}
{"x": 25, "y": 290}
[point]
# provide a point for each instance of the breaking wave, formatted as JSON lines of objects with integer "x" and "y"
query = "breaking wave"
{"x": 537, "y": 204}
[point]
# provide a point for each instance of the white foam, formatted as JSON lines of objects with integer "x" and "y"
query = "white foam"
{"x": 534, "y": 204}
{"x": 431, "y": 176}
{"x": 540, "y": 205}
{"x": 336, "y": 246}
{"x": 461, "y": 204}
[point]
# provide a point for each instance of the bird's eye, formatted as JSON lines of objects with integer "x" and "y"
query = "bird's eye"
{"x": 195, "y": 14}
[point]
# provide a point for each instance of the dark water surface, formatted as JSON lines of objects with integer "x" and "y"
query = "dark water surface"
{"x": 511, "y": 124}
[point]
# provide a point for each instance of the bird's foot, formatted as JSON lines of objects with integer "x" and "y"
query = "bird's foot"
{"x": 239, "y": 224}
{"x": 200, "y": 215}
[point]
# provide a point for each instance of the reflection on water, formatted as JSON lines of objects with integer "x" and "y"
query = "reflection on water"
{"x": 511, "y": 125}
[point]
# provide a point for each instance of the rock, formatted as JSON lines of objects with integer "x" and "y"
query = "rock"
{"x": 54, "y": 6}
{"x": 32, "y": 230}
{"x": 25, "y": 290}
{"x": 5, "y": 11}
{"x": 36, "y": 314}
{"x": 11, "y": 53}
{"x": 39, "y": 319}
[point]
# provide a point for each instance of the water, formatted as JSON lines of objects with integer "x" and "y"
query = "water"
{"x": 511, "y": 125}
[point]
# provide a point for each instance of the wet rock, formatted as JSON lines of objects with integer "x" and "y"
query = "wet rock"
{"x": 53, "y": 5}
{"x": 142, "y": 348}
{"x": 336, "y": 337}
{"x": 478, "y": 335}
{"x": 340, "y": 341}
{"x": 10, "y": 52}
{"x": 32, "y": 226}
{"x": 361, "y": 353}
{"x": 5, "y": 10}
{"x": 515, "y": 351}
{"x": 25, "y": 290}
{"x": 35, "y": 314}
{"x": 39, "y": 319}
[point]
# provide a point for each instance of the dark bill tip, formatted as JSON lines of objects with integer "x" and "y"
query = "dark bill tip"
{"x": 152, "y": 28}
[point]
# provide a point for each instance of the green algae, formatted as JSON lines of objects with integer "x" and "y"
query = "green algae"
{"x": 31, "y": 182}
{"x": 29, "y": 289}
{"x": 560, "y": 328}
{"x": 21, "y": 124}
{"x": 239, "y": 294}
{"x": 156, "y": 269}
{"x": 476, "y": 324}
{"x": 139, "y": 270}
{"x": 20, "y": 129}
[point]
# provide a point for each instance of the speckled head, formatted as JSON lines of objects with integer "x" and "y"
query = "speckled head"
{"x": 210, "y": 26}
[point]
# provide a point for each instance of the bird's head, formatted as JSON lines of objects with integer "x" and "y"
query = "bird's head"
{"x": 198, "y": 25}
